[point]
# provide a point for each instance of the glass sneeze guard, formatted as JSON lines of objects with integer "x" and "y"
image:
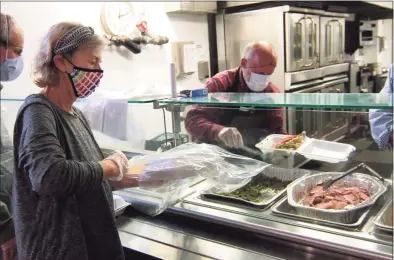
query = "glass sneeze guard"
{"x": 139, "y": 100}
{"x": 301, "y": 100}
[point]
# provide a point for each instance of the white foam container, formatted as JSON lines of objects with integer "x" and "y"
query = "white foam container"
{"x": 120, "y": 205}
{"x": 313, "y": 149}
{"x": 326, "y": 151}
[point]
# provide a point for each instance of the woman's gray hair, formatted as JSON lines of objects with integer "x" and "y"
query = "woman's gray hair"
{"x": 63, "y": 38}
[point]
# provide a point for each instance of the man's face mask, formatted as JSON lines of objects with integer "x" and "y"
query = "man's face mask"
{"x": 84, "y": 81}
{"x": 257, "y": 82}
{"x": 10, "y": 69}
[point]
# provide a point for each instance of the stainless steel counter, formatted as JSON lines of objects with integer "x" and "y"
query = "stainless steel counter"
{"x": 196, "y": 228}
{"x": 362, "y": 243}
{"x": 170, "y": 236}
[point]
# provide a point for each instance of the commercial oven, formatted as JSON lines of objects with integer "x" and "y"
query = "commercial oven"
{"x": 296, "y": 36}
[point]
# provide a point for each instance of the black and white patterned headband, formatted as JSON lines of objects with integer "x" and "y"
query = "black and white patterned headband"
{"x": 73, "y": 39}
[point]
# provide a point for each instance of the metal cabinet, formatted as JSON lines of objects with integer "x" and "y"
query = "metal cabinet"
{"x": 191, "y": 7}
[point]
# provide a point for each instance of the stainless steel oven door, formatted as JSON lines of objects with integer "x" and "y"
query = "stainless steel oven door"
{"x": 333, "y": 121}
{"x": 318, "y": 123}
{"x": 295, "y": 41}
{"x": 332, "y": 40}
{"x": 302, "y": 41}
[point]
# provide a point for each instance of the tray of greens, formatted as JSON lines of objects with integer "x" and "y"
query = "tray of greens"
{"x": 264, "y": 189}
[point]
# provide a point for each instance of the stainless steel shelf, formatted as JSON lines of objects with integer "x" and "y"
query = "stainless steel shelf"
{"x": 366, "y": 243}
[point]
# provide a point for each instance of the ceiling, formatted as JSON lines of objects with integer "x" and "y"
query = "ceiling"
{"x": 366, "y": 10}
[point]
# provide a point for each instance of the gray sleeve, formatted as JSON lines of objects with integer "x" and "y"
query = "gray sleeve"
{"x": 42, "y": 157}
{"x": 6, "y": 224}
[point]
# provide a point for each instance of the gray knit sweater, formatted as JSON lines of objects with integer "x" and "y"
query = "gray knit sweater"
{"x": 62, "y": 207}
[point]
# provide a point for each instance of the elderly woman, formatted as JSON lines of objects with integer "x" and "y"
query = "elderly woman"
{"x": 62, "y": 196}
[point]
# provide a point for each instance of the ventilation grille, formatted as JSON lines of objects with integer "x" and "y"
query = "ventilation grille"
{"x": 306, "y": 4}
{"x": 337, "y": 9}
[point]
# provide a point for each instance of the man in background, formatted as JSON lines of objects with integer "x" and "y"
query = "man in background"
{"x": 234, "y": 127}
{"x": 381, "y": 120}
{"x": 11, "y": 66}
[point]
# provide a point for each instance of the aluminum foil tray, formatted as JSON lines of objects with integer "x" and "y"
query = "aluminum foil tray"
{"x": 282, "y": 174}
{"x": 384, "y": 219}
{"x": 283, "y": 209}
{"x": 297, "y": 191}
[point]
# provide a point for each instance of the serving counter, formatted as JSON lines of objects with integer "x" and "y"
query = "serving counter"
{"x": 310, "y": 239}
{"x": 198, "y": 227}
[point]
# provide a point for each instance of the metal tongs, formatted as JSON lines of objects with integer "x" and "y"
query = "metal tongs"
{"x": 252, "y": 152}
{"x": 329, "y": 183}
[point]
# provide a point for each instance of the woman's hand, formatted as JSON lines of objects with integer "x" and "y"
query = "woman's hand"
{"x": 128, "y": 181}
{"x": 110, "y": 168}
{"x": 115, "y": 166}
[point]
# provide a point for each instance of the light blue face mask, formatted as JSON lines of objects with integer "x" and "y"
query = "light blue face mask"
{"x": 10, "y": 69}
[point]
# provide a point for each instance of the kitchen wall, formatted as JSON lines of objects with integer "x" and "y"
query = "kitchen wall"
{"x": 146, "y": 72}
{"x": 371, "y": 54}
{"x": 385, "y": 29}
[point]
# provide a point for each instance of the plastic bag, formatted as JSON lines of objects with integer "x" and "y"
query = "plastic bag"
{"x": 166, "y": 177}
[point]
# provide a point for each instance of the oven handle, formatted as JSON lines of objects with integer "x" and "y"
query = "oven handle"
{"x": 299, "y": 22}
{"x": 340, "y": 53}
{"x": 311, "y": 90}
{"x": 302, "y": 40}
{"x": 328, "y": 41}
{"x": 335, "y": 82}
{"x": 314, "y": 31}
{"x": 321, "y": 86}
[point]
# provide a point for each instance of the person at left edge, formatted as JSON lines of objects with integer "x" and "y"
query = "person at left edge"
{"x": 11, "y": 67}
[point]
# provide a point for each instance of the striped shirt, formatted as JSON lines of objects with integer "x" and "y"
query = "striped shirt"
{"x": 381, "y": 120}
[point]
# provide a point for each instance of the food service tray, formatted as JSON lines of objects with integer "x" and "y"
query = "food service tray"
{"x": 384, "y": 217}
{"x": 282, "y": 208}
{"x": 297, "y": 190}
{"x": 282, "y": 174}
